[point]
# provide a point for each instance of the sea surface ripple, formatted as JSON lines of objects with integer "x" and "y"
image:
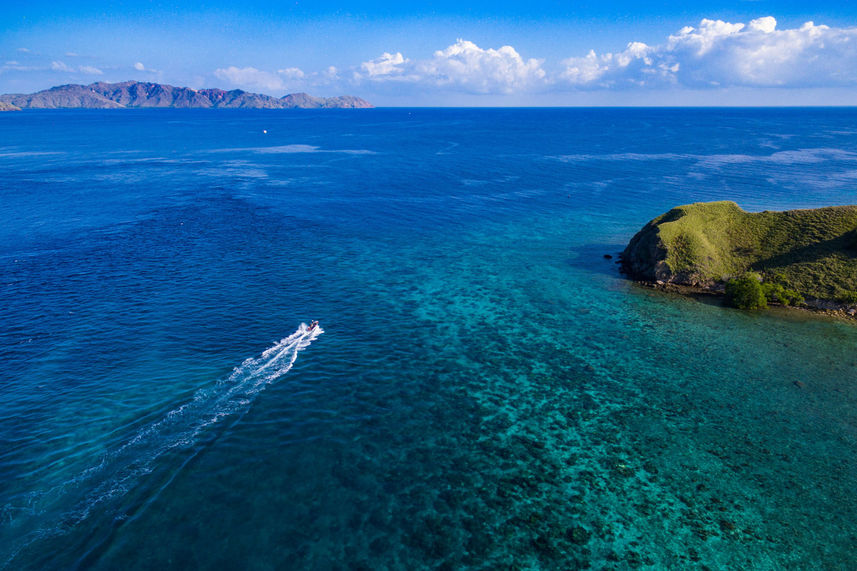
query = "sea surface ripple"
{"x": 488, "y": 391}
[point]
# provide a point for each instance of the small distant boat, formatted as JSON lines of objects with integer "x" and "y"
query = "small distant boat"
{"x": 312, "y": 326}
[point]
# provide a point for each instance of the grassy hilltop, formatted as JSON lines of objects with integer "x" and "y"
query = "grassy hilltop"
{"x": 813, "y": 252}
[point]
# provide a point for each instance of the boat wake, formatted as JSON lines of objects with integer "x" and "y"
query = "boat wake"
{"x": 52, "y": 512}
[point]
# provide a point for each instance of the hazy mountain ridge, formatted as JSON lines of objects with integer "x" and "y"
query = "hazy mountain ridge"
{"x": 130, "y": 94}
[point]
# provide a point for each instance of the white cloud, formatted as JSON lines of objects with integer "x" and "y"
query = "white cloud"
{"x": 463, "y": 65}
{"x": 250, "y": 77}
{"x": 60, "y": 66}
{"x": 282, "y": 80}
{"x": 387, "y": 66}
{"x": 23, "y": 50}
{"x": 720, "y": 53}
{"x": 292, "y": 73}
{"x": 57, "y": 65}
{"x": 330, "y": 74}
{"x": 466, "y": 64}
{"x": 634, "y": 66}
{"x": 767, "y": 24}
{"x": 14, "y": 65}
{"x": 71, "y": 54}
{"x": 139, "y": 66}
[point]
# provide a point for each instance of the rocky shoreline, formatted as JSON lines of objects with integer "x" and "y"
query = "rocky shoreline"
{"x": 816, "y": 306}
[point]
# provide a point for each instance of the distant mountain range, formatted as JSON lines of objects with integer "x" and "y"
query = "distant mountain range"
{"x": 131, "y": 94}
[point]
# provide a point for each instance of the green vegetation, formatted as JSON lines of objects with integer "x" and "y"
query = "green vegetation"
{"x": 849, "y": 297}
{"x": 746, "y": 292}
{"x": 750, "y": 292}
{"x": 776, "y": 293}
{"x": 797, "y": 253}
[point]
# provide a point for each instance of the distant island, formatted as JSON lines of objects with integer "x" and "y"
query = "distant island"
{"x": 796, "y": 257}
{"x": 135, "y": 94}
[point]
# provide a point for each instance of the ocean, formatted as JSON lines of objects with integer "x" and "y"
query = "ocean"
{"x": 485, "y": 390}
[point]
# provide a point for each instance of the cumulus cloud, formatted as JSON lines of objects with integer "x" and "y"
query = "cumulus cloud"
{"x": 139, "y": 66}
{"x": 463, "y": 65}
{"x": 718, "y": 53}
{"x": 292, "y": 73}
{"x": 250, "y": 77}
{"x": 712, "y": 54}
{"x": 466, "y": 64}
{"x": 388, "y": 66}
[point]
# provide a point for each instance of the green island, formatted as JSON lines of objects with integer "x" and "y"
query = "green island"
{"x": 806, "y": 258}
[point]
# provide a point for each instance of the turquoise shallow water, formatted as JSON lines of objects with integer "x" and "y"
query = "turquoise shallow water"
{"x": 488, "y": 391}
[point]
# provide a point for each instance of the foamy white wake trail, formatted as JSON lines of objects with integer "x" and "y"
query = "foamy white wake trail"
{"x": 119, "y": 470}
{"x": 229, "y": 395}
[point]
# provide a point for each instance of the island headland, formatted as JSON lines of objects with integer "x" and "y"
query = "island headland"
{"x": 134, "y": 94}
{"x": 806, "y": 258}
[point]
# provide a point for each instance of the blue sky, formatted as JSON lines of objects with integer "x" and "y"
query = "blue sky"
{"x": 449, "y": 53}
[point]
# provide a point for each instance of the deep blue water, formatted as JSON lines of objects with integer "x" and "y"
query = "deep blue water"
{"x": 487, "y": 391}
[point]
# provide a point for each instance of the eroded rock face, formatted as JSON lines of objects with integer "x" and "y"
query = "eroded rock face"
{"x": 645, "y": 257}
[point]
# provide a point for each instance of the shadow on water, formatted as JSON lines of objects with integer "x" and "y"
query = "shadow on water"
{"x": 591, "y": 257}
{"x": 711, "y": 299}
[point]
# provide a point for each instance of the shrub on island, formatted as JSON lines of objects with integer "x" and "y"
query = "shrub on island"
{"x": 775, "y": 292}
{"x": 746, "y": 292}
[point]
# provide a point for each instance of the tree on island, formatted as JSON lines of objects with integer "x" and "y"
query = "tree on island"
{"x": 746, "y": 292}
